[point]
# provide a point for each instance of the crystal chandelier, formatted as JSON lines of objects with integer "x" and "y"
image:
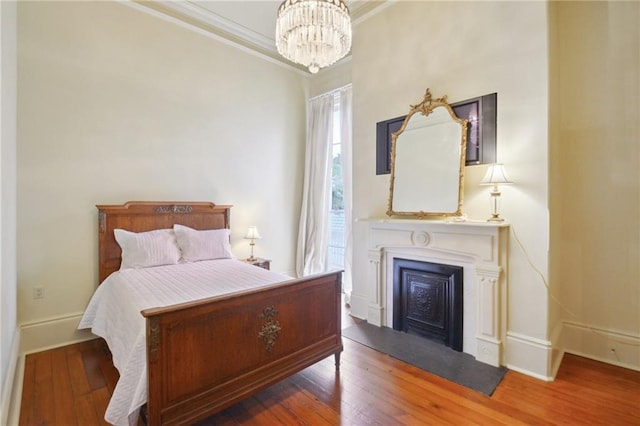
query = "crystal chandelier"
{"x": 314, "y": 33}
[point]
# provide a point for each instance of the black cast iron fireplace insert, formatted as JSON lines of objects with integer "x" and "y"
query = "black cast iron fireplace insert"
{"x": 427, "y": 300}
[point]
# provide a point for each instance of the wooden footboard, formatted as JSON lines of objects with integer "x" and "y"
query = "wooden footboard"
{"x": 204, "y": 356}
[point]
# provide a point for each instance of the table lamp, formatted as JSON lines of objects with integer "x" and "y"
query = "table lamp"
{"x": 253, "y": 235}
{"x": 495, "y": 175}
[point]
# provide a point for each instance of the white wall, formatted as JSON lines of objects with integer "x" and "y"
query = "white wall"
{"x": 464, "y": 50}
{"x": 596, "y": 179}
{"x": 331, "y": 78}
{"x": 116, "y": 105}
{"x": 9, "y": 336}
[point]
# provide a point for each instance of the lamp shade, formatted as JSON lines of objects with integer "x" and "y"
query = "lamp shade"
{"x": 252, "y": 233}
{"x": 496, "y": 174}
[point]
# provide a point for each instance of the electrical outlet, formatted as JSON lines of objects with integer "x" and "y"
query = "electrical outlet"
{"x": 38, "y": 292}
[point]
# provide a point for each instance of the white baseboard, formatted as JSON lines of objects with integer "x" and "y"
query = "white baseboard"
{"x": 528, "y": 355}
{"x": 359, "y": 306}
{"x": 8, "y": 385}
{"x": 609, "y": 346}
{"x": 13, "y": 419}
{"x": 52, "y": 333}
{"x": 557, "y": 351}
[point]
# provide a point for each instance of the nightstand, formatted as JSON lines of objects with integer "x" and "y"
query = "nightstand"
{"x": 262, "y": 263}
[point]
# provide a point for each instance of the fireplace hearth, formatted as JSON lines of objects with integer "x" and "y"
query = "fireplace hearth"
{"x": 428, "y": 301}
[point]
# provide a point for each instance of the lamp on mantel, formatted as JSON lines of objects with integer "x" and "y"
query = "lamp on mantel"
{"x": 253, "y": 235}
{"x": 313, "y": 33}
{"x": 495, "y": 175}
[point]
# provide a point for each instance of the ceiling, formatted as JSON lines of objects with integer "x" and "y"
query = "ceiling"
{"x": 246, "y": 24}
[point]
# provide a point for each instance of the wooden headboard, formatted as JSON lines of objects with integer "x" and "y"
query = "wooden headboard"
{"x": 141, "y": 216}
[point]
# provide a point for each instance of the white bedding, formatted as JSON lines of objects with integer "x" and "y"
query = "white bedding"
{"x": 114, "y": 314}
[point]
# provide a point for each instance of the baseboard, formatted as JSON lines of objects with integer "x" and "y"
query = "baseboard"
{"x": 609, "y": 346}
{"x": 8, "y": 385}
{"x": 359, "y": 306}
{"x": 13, "y": 419}
{"x": 528, "y": 355}
{"x": 52, "y": 333}
{"x": 557, "y": 351}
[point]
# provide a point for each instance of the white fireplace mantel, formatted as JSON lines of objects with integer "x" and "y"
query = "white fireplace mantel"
{"x": 479, "y": 247}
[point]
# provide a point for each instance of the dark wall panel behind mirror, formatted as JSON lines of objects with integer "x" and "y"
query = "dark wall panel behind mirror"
{"x": 481, "y": 137}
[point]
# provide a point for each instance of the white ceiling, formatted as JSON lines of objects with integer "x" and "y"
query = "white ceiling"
{"x": 248, "y": 24}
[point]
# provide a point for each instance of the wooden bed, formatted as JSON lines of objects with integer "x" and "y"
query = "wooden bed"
{"x": 206, "y": 355}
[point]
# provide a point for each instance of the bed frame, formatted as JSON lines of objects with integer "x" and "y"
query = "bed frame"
{"x": 206, "y": 355}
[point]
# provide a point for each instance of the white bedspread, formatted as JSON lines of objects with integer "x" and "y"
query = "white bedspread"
{"x": 114, "y": 314}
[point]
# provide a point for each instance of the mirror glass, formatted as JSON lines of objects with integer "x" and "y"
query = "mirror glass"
{"x": 427, "y": 162}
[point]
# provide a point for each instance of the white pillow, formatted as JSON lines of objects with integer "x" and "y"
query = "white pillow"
{"x": 145, "y": 249}
{"x": 203, "y": 245}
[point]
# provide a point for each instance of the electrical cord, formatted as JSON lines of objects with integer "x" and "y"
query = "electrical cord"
{"x": 552, "y": 296}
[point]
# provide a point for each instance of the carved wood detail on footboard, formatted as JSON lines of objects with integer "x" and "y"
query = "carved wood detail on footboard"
{"x": 204, "y": 356}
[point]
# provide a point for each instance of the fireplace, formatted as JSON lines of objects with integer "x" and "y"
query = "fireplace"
{"x": 427, "y": 301}
{"x": 478, "y": 248}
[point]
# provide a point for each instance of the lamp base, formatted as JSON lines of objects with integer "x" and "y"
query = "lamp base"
{"x": 495, "y": 218}
{"x": 495, "y": 201}
{"x": 251, "y": 258}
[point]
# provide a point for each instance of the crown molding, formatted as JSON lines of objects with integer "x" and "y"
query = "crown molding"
{"x": 188, "y": 14}
{"x": 220, "y": 23}
{"x": 155, "y": 10}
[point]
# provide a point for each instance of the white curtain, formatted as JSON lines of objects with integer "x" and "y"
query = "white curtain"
{"x": 313, "y": 233}
{"x": 346, "y": 125}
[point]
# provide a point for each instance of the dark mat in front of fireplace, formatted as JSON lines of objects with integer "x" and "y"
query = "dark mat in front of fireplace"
{"x": 430, "y": 356}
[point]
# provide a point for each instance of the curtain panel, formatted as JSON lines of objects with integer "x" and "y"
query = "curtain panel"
{"x": 313, "y": 234}
{"x": 314, "y": 231}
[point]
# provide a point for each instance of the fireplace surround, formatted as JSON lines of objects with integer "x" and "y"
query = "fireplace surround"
{"x": 479, "y": 248}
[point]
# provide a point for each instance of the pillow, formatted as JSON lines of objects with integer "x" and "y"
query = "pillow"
{"x": 203, "y": 245}
{"x": 145, "y": 249}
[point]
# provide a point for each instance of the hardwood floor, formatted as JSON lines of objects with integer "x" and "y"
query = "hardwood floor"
{"x": 72, "y": 386}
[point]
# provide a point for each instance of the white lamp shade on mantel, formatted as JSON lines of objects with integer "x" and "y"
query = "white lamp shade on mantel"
{"x": 496, "y": 174}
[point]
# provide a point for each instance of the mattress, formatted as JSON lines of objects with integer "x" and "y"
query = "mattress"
{"x": 114, "y": 314}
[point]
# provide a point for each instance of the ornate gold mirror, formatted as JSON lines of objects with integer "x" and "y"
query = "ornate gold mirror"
{"x": 427, "y": 161}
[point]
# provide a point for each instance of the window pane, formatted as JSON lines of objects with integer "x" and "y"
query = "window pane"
{"x": 336, "y": 215}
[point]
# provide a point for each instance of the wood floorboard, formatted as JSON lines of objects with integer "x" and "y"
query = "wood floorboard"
{"x": 91, "y": 364}
{"x": 28, "y": 391}
{"x": 72, "y": 386}
{"x": 85, "y": 410}
{"x": 64, "y": 401}
{"x": 44, "y": 408}
{"x": 100, "y": 399}
{"x": 79, "y": 379}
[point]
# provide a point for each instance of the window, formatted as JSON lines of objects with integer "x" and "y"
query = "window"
{"x": 336, "y": 214}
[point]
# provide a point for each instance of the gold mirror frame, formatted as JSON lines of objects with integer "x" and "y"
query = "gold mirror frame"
{"x": 426, "y": 108}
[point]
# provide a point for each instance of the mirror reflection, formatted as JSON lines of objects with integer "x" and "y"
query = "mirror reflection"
{"x": 427, "y": 165}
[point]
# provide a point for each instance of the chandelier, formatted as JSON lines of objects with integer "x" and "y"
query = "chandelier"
{"x": 313, "y": 33}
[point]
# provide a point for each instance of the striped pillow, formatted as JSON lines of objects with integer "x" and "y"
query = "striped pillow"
{"x": 146, "y": 249}
{"x": 203, "y": 245}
